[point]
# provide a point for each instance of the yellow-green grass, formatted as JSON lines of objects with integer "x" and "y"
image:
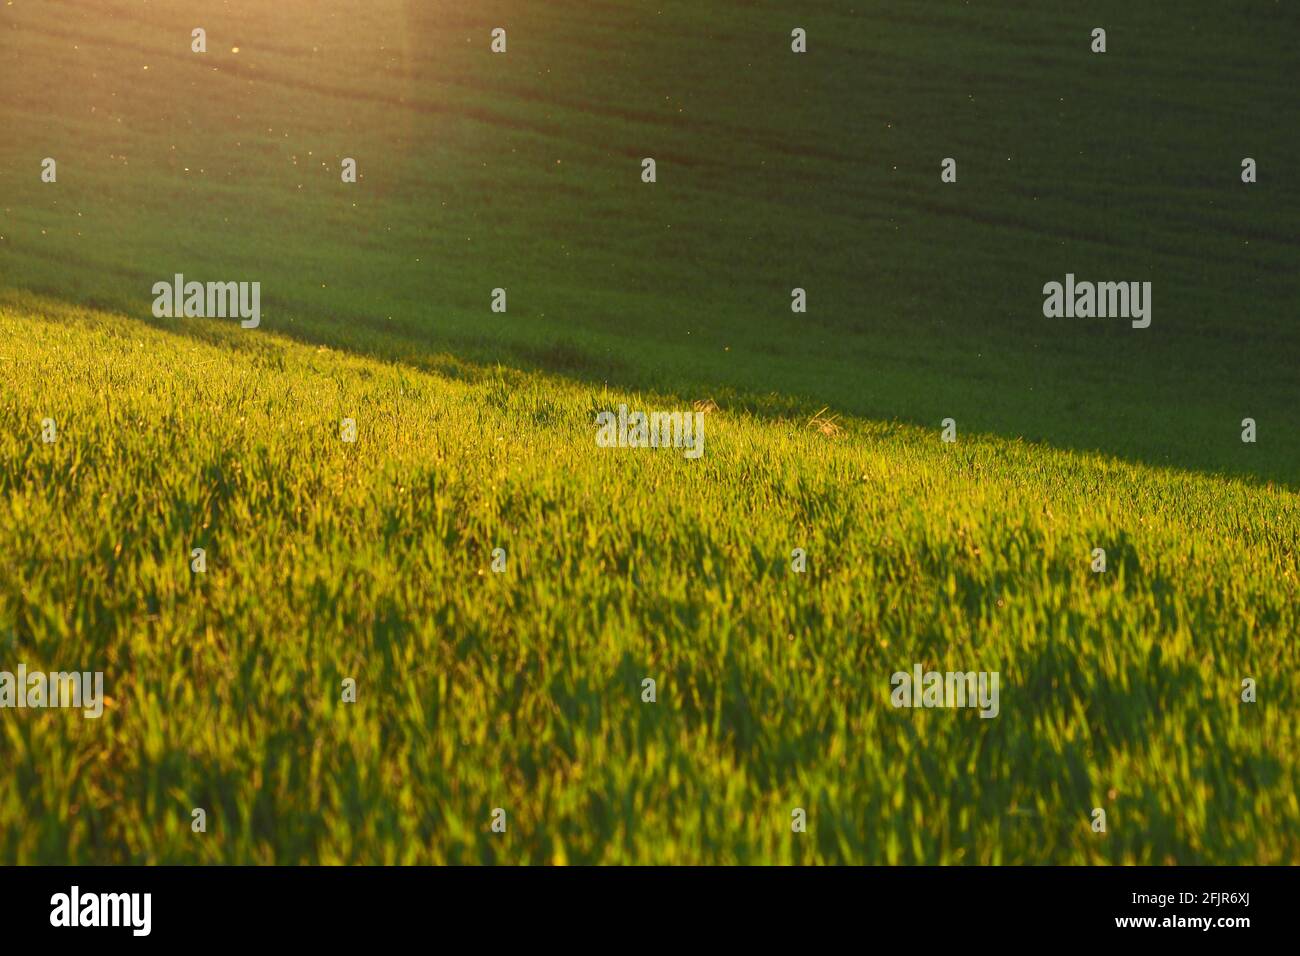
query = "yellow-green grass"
{"x": 522, "y": 690}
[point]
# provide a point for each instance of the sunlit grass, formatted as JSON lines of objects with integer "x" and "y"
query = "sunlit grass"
{"x": 523, "y": 690}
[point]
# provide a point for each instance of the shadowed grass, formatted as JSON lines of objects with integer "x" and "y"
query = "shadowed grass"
{"x": 776, "y": 171}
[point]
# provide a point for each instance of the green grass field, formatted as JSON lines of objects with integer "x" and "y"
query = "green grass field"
{"x": 523, "y": 690}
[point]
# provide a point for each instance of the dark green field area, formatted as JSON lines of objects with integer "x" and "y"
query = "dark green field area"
{"x": 520, "y": 687}
{"x": 775, "y": 171}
